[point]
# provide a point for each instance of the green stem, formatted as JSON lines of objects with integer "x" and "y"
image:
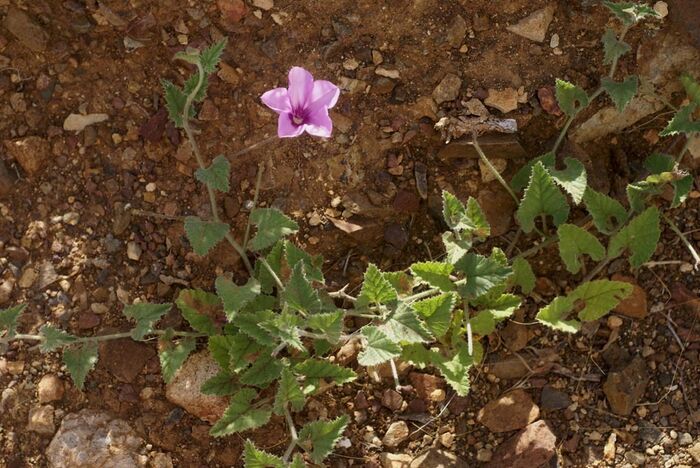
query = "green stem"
{"x": 269, "y": 269}
{"x": 200, "y": 161}
{"x": 683, "y": 239}
{"x": 293, "y": 434}
{"x": 492, "y": 169}
{"x": 253, "y": 146}
{"x": 258, "y": 182}
{"x": 596, "y": 93}
{"x": 94, "y": 339}
{"x": 563, "y": 132}
{"x": 684, "y": 150}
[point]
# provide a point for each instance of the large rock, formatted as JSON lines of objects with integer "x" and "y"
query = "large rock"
{"x": 512, "y": 411}
{"x": 395, "y": 434}
{"x": 27, "y": 32}
{"x": 184, "y": 389}
{"x": 91, "y": 438}
{"x": 529, "y": 448}
{"x": 661, "y": 60}
{"x": 30, "y": 152}
{"x": 447, "y": 89}
{"x": 534, "y": 26}
{"x": 436, "y": 458}
{"x": 625, "y": 387}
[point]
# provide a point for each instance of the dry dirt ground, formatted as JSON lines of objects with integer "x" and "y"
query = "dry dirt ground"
{"x": 69, "y": 216}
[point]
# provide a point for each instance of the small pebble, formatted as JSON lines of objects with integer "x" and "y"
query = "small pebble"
{"x": 661, "y": 8}
{"x": 554, "y": 41}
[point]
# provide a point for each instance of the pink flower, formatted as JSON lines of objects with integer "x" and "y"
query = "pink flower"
{"x": 303, "y": 106}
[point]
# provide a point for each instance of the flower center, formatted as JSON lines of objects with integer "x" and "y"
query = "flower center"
{"x": 298, "y": 120}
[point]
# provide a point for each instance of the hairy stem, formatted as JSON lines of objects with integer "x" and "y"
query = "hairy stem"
{"x": 292, "y": 432}
{"x": 684, "y": 150}
{"x": 258, "y": 182}
{"x": 253, "y": 146}
{"x": 200, "y": 162}
{"x": 395, "y": 375}
{"x": 596, "y": 93}
{"x": 493, "y": 170}
{"x": 97, "y": 338}
{"x": 683, "y": 239}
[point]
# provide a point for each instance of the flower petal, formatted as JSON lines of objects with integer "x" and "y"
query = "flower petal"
{"x": 324, "y": 94}
{"x": 286, "y": 128}
{"x": 319, "y": 123}
{"x": 277, "y": 99}
{"x": 301, "y": 84}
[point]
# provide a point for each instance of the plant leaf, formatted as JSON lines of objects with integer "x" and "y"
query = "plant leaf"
{"x": 211, "y": 56}
{"x": 198, "y": 307}
{"x": 285, "y": 327}
{"x": 573, "y": 179}
{"x": 456, "y": 371}
{"x": 274, "y": 260}
{"x": 378, "y": 347}
{"x": 640, "y": 237}
{"x": 319, "y": 437}
{"x": 204, "y": 235}
{"x": 241, "y": 415}
{"x": 316, "y": 369}
{"x": 497, "y": 310}
{"x": 288, "y": 392}
{"x": 312, "y": 264}
{"x": 692, "y": 87}
{"x": 437, "y": 312}
{"x": 599, "y": 297}
{"x": 621, "y": 93}
{"x": 459, "y": 217}
{"x": 681, "y": 189}
{"x": 54, "y": 338}
{"x": 554, "y": 314}
{"x": 630, "y": 13}
{"x": 436, "y": 274}
{"x": 222, "y": 384}
{"x": 523, "y": 275}
{"x": 613, "y": 47}
{"x": 172, "y": 356}
{"x": 658, "y": 163}
{"x": 241, "y": 352}
{"x": 522, "y": 177}
{"x": 682, "y": 122}
{"x": 375, "y": 288}
{"x": 272, "y": 226}
{"x": 299, "y": 294}
{"x": 329, "y": 324}
{"x": 455, "y": 246}
{"x": 145, "y": 316}
{"x": 604, "y": 210}
{"x": 216, "y": 175}
{"x": 8, "y": 319}
{"x": 264, "y": 370}
{"x": 404, "y": 326}
{"x": 189, "y": 87}
{"x": 570, "y": 97}
{"x": 249, "y": 323}
{"x": 575, "y": 242}
{"x": 542, "y": 197}
{"x": 255, "y": 458}
{"x": 297, "y": 461}
{"x": 236, "y": 297}
{"x": 79, "y": 361}
{"x": 174, "y": 101}
{"x": 482, "y": 274}
{"x": 401, "y": 281}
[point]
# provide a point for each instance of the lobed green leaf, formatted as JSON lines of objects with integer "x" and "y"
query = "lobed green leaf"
{"x": 607, "y": 213}
{"x": 9, "y": 318}
{"x": 319, "y": 437}
{"x": 378, "y": 347}
{"x": 575, "y": 242}
{"x": 273, "y": 225}
{"x": 204, "y": 235}
{"x": 621, "y": 93}
{"x": 570, "y": 97}
{"x": 241, "y": 415}
{"x": 145, "y": 316}
{"x": 542, "y": 197}
{"x": 640, "y": 236}
{"x": 216, "y": 176}
{"x": 79, "y": 361}
{"x": 172, "y": 356}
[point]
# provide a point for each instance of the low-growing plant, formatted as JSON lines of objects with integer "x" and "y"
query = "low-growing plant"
{"x": 271, "y": 334}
